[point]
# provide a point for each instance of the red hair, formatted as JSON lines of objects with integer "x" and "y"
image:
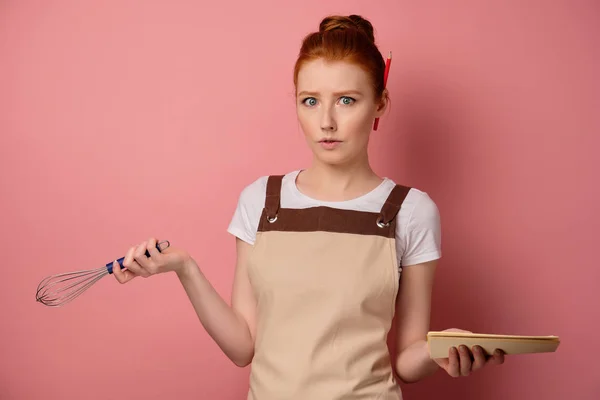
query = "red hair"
{"x": 348, "y": 39}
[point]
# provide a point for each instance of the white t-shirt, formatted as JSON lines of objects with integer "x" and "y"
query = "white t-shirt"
{"x": 418, "y": 234}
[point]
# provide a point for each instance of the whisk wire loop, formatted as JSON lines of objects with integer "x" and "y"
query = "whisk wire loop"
{"x": 60, "y": 289}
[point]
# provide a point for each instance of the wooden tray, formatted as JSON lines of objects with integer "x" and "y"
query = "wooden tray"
{"x": 440, "y": 343}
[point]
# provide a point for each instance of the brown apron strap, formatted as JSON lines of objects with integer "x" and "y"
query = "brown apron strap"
{"x": 273, "y": 195}
{"x": 393, "y": 203}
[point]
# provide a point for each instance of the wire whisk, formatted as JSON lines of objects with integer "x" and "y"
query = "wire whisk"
{"x": 57, "y": 290}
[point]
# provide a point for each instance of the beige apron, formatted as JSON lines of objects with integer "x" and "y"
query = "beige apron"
{"x": 325, "y": 282}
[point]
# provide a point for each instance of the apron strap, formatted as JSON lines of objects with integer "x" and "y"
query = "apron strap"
{"x": 273, "y": 195}
{"x": 393, "y": 203}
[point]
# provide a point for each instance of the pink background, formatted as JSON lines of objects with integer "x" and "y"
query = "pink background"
{"x": 122, "y": 120}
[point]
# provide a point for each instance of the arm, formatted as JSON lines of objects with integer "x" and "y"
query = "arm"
{"x": 413, "y": 307}
{"x": 231, "y": 327}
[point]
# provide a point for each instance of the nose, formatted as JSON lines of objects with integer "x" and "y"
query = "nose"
{"x": 328, "y": 123}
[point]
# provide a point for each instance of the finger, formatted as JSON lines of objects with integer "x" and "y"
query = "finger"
{"x": 479, "y": 358}
{"x": 153, "y": 250}
{"x": 122, "y": 275}
{"x": 465, "y": 361}
{"x": 128, "y": 275}
{"x": 132, "y": 265}
{"x": 453, "y": 363}
{"x": 442, "y": 362}
{"x": 139, "y": 255}
{"x": 497, "y": 358}
{"x": 155, "y": 257}
{"x": 117, "y": 272}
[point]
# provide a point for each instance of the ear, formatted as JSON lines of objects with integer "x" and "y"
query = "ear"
{"x": 382, "y": 104}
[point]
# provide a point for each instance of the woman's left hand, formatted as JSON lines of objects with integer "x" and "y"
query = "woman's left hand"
{"x": 462, "y": 361}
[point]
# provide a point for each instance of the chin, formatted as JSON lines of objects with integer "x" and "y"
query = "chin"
{"x": 332, "y": 158}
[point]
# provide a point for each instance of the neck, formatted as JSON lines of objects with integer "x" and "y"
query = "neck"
{"x": 339, "y": 182}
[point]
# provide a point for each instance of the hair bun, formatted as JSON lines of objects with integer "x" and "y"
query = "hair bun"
{"x": 350, "y": 22}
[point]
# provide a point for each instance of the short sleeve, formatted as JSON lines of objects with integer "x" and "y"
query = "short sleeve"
{"x": 422, "y": 237}
{"x": 246, "y": 216}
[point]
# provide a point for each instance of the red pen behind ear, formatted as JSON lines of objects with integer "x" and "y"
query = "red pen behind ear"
{"x": 388, "y": 62}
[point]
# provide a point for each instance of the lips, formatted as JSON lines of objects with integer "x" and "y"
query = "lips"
{"x": 329, "y": 144}
{"x": 328, "y": 141}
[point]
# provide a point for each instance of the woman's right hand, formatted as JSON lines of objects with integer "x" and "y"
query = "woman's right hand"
{"x": 136, "y": 263}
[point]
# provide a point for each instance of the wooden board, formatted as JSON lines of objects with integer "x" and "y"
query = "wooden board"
{"x": 440, "y": 343}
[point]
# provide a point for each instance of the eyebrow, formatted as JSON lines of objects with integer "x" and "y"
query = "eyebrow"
{"x": 307, "y": 93}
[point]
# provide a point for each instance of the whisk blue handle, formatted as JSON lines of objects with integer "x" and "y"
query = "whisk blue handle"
{"x": 160, "y": 246}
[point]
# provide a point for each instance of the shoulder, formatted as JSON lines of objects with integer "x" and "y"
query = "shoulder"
{"x": 417, "y": 205}
{"x": 418, "y": 232}
{"x": 254, "y": 193}
{"x": 422, "y": 207}
{"x": 247, "y": 213}
{"x": 251, "y": 202}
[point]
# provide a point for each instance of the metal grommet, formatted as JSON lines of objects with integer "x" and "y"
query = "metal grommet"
{"x": 271, "y": 220}
{"x": 381, "y": 224}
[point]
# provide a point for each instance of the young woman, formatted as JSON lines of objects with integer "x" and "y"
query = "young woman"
{"x": 320, "y": 251}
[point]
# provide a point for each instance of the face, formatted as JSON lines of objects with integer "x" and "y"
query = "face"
{"x": 336, "y": 107}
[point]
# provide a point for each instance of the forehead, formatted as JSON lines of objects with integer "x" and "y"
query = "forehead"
{"x": 332, "y": 76}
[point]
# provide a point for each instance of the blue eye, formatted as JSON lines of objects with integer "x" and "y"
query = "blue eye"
{"x": 347, "y": 100}
{"x": 310, "y": 101}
